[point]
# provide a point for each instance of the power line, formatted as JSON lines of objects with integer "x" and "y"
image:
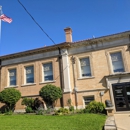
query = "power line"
{"x": 36, "y": 22}
{"x": 42, "y": 30}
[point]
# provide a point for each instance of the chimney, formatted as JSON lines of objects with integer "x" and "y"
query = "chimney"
{"x": 68, "y": 33}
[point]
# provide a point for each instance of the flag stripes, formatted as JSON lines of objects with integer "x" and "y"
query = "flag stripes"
{"x": 5, "y": 18}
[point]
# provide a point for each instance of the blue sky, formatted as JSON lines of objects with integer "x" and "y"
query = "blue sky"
{"x": 85, "y": 17}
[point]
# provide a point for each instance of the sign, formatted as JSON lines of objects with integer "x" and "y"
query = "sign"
{"x": 28, "y": 71}
{"x": 47, "y": 68}
{"x": 11, "y": 74}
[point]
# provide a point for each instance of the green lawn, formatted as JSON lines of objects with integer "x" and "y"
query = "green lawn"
{"x": 40, "y": 122}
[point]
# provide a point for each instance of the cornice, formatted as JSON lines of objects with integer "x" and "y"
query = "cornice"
{"x": 36, "y": 51}
{"x": 102, "y": 39}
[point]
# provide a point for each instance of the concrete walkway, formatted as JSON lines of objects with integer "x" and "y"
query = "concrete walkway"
{"x": 110, "y": 123}
{"x": 122, "y": 121}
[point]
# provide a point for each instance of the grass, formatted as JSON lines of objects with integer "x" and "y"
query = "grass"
{"x": 40, "y": 122}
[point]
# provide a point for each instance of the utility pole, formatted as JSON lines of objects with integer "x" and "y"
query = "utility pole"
{"x": 74, "y": 80}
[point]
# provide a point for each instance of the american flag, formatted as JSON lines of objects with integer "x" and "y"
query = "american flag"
{"x": 5, "y": 18}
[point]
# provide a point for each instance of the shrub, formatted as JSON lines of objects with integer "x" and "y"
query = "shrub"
{"x": 50, "y": 93}
{"x": 33, "y": 105}
{"x": 29, "y": 109}
{"x": 69, "y": 102}
{"x": 80, "y": 111}
{"x": 10, "y": 96}
{"x": 71, "y": 108}
{"x": 95, "y": 107}
{"x": 62, "y": 111}
{"x": 28, "y": 102}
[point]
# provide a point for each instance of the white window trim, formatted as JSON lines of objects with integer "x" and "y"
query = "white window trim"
{"x": 28, "y": 84}
{"x": 115, "y": 50}
{"x": 47, "y": 82}
{"x": 43, "y": 81}
{"x": 25, "y": 83}
{"x": 87, "y": 96}
{"x": 12, "y": 86}
{"x": 8, "y": 80}
{"x": 81, "y": 56}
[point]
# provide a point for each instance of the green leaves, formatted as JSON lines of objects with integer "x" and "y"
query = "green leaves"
{"x": 50, "y": 93}
{"x": 10, "y": 96}
{"x": 95, "y": 107}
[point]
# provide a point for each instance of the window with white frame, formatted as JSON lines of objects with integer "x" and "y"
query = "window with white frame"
{"x": 117, "y": 62}
{"x": 12, "y": 77}
{"x": 85, "y": 67}
{"x": 47, "y": 72}
{"x": 29, "y": 74}
{"x": 88, "y": 99}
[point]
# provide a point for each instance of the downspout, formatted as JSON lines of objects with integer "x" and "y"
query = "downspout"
{"x": 74, "y": 80}
{"x": 61, "y": 76}
{"x": 0, "y": 75}
{"x": 0, "y": 80}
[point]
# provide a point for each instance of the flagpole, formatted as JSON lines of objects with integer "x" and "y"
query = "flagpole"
{"x": 0, "y": 21}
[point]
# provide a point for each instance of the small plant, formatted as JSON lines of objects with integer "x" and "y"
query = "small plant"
{"x": 62, "y": 111}
{"x": 28, "y": 109}
{"x": 29, "y": 103}
{"x": 39, "y": 112}
{"x": 80, "y": 111}
{"x": 71, "y": 108}
{"x": 95, "y": 107}
{"x": 69, "y": 102}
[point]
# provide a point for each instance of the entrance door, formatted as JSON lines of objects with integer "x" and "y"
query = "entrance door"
{"x": 121, "y": 92}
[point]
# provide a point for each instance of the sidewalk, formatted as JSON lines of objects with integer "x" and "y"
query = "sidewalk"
{"x": 122, "y": 121}
{"x": 110, "y": 123}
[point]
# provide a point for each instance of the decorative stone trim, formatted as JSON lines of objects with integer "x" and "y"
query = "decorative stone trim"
{"x": 98, "y": 89}
{"x": 12, "y": 86}
{"x": 86, "y": 78}
{"x": 45, "y": 82}
{"x": 30, "y": 84}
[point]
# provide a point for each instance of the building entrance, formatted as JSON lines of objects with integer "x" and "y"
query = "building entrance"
{"x": 121, "y": 92}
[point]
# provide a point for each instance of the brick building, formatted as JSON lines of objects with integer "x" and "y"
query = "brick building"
{"x": 94, "y": 69}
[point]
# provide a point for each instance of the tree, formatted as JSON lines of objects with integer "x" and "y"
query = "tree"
{"x": 10, "y": 96}
{"x": 50, "y": 93}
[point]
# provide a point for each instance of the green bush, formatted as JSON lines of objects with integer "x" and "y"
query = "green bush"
{"x": 71, "y": 108}
{"x": 50, "y": 93}
{"x": 28, "y": 102}
{"x": 80, "y": 111}
{"x": 95, "y": 107}
{"x": 29, "y": 109}
{"x": 62, "y": 111}
{"x": 10, "y": 96}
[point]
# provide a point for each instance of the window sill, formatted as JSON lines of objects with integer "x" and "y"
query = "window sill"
{"x": 29, "y": 84}
{"x": 47, "y": 82}
{"x": 86, "y": 78}
{"x": 16, "y": 86}
{"x": 116, "y": 73}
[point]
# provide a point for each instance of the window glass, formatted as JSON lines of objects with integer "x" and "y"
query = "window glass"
{"x": 48, "y": 72}
{"x": 12, "y": 77}
{"x": 30, "y": 74}
{"x": 88, "y": 99}
{"x": 117, "y": 62}
{"x": 85, "y": 67}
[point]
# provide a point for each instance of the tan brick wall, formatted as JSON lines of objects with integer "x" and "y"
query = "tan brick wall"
{"x": 100, "y": 68}
{"x": 87, "y": 86}
{"x": 30, "y": 90}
